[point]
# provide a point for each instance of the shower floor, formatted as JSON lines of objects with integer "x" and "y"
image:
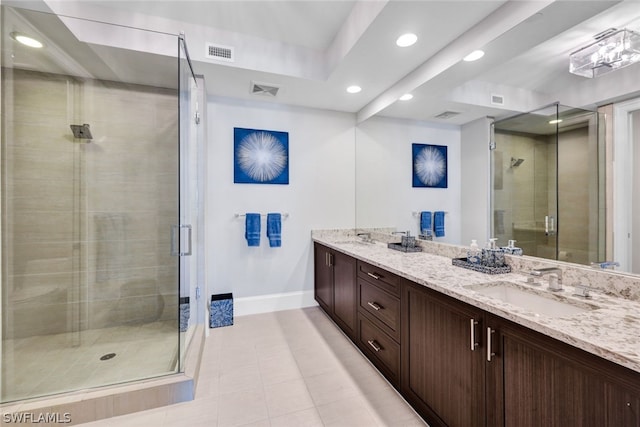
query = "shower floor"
{"x": 44, "y": 365}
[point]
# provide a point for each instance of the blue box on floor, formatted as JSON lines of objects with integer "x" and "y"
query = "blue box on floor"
{"x": 221, "y": 310}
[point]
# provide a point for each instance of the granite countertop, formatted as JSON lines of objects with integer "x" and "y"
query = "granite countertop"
{"x": 609, "y": 330}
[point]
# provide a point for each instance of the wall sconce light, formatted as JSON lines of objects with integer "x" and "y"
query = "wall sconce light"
{"x": 613, "y": 49}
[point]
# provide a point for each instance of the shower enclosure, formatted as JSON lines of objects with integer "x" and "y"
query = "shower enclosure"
{"x": 548, "y": 183}
{"x": 99, "y": 214}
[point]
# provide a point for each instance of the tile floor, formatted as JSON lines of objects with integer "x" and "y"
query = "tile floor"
{"x": 288, "y": 368}
{"x": 45, "y": 365}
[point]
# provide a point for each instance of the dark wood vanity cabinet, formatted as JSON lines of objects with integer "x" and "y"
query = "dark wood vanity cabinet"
{"x": 335, "y": 286}
{"x": 442, "y": 365}
{"x": 460, "y": 366}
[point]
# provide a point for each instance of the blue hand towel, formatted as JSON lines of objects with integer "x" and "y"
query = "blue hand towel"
{"x": 425, "y": 222}
{"x": 438, "y": 223}
{"x": 274, "y": 229}
{"x": 252, "y": 229}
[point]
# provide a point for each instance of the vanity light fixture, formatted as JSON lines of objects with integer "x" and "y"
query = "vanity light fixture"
{"x": 407, "y": 40}
{"x": 354, "y": 89}
{"x": 406, "y": 97}
{"x": 613, "y": 49}
{"x": 474, "y": 56}
{"x": 26, "y": 40}
{"x": 555, "y": 121}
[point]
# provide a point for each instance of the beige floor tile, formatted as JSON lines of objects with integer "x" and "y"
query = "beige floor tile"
{"x": 306, "y": 418}
{"x": 331, "y": 387}
{"x": 287, "y": 397}
{"x": 351, "y": 412}
{"x": 237, "y": 409}
{"x": 240, "y": 378}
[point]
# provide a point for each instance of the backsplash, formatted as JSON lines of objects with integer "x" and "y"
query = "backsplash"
{"x": 610, "y": 282}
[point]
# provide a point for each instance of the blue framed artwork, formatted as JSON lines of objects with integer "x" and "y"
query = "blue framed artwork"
{"x": 429, "y": 165}
{"x": 260, "y": 156}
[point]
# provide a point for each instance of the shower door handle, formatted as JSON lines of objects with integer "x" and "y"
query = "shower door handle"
{"x": 549, "y": 226}
{"x": 177, "y": 240}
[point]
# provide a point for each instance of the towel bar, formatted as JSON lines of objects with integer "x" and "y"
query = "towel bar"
{"x": 237, "y": 215}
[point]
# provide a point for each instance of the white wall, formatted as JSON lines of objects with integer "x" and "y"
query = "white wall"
{"x": 385, "y": 196}
{"x": 320, "y": 195}
{"x": 475, "y": 179}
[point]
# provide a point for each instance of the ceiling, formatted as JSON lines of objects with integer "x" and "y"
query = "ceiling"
{"x": 313, "y": 50}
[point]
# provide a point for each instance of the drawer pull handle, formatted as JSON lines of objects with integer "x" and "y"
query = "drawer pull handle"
{"x": 375, "y": 276}
{"x": 374, "y": 345}
{"x": 374, "y": 305}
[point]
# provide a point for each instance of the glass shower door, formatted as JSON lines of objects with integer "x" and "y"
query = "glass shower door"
{"x": 90, "y": 186}
{"x": 547, "y": 184}
{"x": 524, "y": 180}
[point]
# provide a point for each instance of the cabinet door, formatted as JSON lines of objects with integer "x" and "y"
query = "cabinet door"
{"x": 441, "y": 375}
{"x": 623, "y": 406}
{"x": 535, "y": 380}
{"x": 323, "y": 277}
{"x": 344, "y": 292}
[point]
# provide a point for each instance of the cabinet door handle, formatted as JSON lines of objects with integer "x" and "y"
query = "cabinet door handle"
{"x": 490, "y": 353}
{"x": 474, "y": 343}
{"x": 375, "y": 276}
{"x": 374, "y": 305}
{"x": 374, "y": 345}
{"x": 329, "y": 259}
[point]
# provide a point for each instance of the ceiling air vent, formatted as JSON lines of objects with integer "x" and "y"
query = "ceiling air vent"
{"x": 497, "y": 99}
{"x": 447, "y": 115}
{"x": 219, "y": 52}
{"x": 264, "y": 89}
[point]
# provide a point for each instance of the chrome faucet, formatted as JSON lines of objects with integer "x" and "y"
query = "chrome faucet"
{"x": 555, "y": 277}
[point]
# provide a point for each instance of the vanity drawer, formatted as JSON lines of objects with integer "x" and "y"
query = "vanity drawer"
{"x": 381, "y": 306}
{"x": 381, "y": 349}
{"x": 384, "y": 279}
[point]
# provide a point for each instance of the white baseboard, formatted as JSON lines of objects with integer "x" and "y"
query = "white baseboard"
{"x": 273, "y": 302}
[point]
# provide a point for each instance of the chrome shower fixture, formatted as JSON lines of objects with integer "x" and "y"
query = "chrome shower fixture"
{"x": 516, "y": 162}
{"x": 81, "y": 131}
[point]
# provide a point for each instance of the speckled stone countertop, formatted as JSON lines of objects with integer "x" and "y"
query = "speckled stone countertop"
{"x": 610, "y": 329}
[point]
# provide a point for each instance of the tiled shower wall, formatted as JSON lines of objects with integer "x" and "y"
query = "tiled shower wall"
{"x": 86, "y": 224}
{"x": 526, "y": 193}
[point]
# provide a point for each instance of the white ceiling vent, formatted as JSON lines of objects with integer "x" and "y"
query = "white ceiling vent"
{"x": 447, "y": 115}
{"x": 497, "y": 99}
{"x": 264, "y": 89}
{"x": 219, "y": 52}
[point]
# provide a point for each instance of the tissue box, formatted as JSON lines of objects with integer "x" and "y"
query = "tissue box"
{"x": 221, "y": 310}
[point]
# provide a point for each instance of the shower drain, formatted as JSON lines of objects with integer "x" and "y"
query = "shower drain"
{"x": 108, "y": 356}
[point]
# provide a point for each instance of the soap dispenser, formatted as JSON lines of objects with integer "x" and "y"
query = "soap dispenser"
{"x": 511, "y": 249}
{"x": 492, "y": 256}
{"x": 474, "y": 255}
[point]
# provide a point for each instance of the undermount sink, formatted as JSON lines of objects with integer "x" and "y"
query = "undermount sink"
{"x": 355, "y": 242}
{"x": 399, "y": 247}
{"x": 539, "y": 302}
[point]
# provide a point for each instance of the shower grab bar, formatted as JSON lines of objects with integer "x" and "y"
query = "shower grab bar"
{"x": 176, "y": 240}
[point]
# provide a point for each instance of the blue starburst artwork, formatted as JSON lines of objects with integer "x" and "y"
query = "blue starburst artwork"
{"x": 429, "y": 165}
{"x": 260, "y": 156}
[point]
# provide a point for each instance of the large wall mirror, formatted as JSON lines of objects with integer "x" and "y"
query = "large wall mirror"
{"x": 553, "y": 187}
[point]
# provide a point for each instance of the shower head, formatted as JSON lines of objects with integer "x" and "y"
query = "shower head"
{"x": 81, "y": 131}
{"x": 516, "y": 162}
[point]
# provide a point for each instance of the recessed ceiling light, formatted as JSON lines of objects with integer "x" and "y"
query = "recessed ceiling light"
{"x": 553, "y": 122}
{"x": 474, "y": 56}
{"x": 406, "y": 97}
{"x": 26, "y": 40}
{"x": 406, "y": 40}
{"x": 354, "y": 89}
